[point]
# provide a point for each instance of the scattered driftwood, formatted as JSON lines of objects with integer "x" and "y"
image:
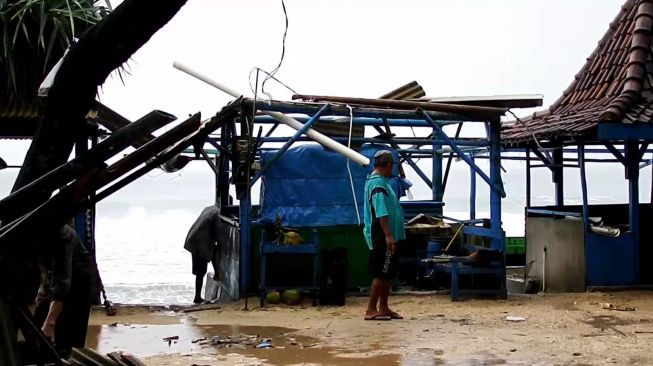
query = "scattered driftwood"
{"x": 125, "y": 359}
{"x": 609, "y": 306}
{"x": 171, "y": 339}
{"x": 89, "y": 357}
{"x": 202, "y": 308}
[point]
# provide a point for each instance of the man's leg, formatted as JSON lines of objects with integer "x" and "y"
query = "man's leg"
{"x": 200, "y": 266}
{"x": 375, "y": 293}
{"x": 391, "y": 261}
{"x": 383, "y": 302}
{"x": 199, "y": 281}
{"x": 383, "y": 297}
{"x": 215, "y": 262}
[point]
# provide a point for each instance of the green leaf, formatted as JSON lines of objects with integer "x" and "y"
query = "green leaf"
{"x": 38, "y": 31}
{"x": 42, "y": 23}
{"x": 72, "y": 22}
{"x": 53, "y": 40}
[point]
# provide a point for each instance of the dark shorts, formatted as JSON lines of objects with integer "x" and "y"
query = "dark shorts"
{"x": 383, "y": 264}
{"x": 200, "y": 265}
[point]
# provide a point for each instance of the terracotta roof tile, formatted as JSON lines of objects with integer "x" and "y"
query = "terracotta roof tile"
{"x": 613, "y": 85}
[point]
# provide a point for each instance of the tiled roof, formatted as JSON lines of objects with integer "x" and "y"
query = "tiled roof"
{"x": 614, "y": 85}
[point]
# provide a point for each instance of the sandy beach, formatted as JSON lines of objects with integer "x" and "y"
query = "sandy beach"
{"x": 562, "y": 329}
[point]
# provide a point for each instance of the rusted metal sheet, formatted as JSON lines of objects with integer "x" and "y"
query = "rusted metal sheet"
{"x": 411, "y": 90}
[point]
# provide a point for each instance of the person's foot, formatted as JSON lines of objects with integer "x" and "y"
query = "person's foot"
{"x": 375, "y": 315}
{"x": 198, "y": 300}
{"x": 390, "y": 313}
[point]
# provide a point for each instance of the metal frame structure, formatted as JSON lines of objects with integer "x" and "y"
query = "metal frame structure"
{"x": 244, "y": 149}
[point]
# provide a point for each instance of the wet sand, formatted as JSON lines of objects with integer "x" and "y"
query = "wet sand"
{"x": 565, "y": 329}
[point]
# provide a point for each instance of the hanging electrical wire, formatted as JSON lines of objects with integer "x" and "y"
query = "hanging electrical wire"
{"x": 283, "y": 53}
{"x": 269, "y": 76}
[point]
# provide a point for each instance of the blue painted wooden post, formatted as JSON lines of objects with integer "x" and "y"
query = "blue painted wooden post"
{"x": 528, "y": 177}
{"x": 472, "y": 191}
{"x": 438, "y": 192}
{"x": 245, "y": 240}
{"x": 632, "y": 174}
{"x": 583, "y": 186}
{"x": 495, "y": 178}
{"x": 558, "y": 176}
{"x": 455, "y": 294}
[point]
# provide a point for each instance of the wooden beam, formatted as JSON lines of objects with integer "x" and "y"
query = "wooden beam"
{"x": 402, "y": 104}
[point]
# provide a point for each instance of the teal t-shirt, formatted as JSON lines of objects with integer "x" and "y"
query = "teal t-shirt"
{"x": 384, "y": 205}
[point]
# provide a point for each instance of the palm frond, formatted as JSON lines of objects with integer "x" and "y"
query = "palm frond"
{"x": 35, "y": 34}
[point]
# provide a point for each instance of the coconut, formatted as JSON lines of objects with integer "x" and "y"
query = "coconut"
{"x": 273, "y": 297}
{"x": 291, "y": 297}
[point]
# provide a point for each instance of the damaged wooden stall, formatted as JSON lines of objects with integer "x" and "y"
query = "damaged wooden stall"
{"x": 382, "y": 115}
{"x": 291, "y": 192}
{"x": 607, "y": 109}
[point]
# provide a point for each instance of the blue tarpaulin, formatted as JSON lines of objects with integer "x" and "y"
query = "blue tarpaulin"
{"x": 309, "y": 186}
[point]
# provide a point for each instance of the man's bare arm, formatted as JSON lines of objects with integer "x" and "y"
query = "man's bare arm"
{"x": 50, "y": 321}
{"x": 390, "y": 241}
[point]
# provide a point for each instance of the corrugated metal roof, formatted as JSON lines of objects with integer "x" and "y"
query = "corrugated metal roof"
{"x": 614, "y": 84}
{"x": 411, "y": 90}
{"x": 506, "y": 101}
{"x": 18, "y": 118}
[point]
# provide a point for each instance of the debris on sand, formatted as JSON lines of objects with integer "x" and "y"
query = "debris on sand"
{"x": 170, "y": 339}
{"x": 512, "y": 318}
{"x": 609, "y": 306}
{"x": 242, "y": 341}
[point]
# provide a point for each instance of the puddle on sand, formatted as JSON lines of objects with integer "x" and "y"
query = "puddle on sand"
{"x": 147, "y": 340}
{"x": 142, "y": 340}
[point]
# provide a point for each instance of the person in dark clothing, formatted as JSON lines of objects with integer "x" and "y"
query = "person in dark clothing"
{"x": 201, "y": 242}
{"x": 64, "y": 301}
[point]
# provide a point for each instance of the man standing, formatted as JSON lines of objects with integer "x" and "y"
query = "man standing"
{"x": 201, "y": 242}
{"x": 64, "y": 300}
{"x": 384, "y": 226}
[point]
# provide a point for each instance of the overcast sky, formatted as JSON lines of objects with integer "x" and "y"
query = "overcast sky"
{"x": 360, "y": 48}
{"x": 364, "y": 48}
{"x": 357, "y": 48}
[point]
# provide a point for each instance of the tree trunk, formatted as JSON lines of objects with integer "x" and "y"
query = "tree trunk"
{"x": 102, "y": 49}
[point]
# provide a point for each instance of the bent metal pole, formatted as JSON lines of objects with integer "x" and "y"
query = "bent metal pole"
{"x": 291, "y": 122}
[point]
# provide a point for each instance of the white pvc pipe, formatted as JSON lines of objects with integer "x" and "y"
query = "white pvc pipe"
{"x": 293, "y": 123}
{"x": 609, "y": 231}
